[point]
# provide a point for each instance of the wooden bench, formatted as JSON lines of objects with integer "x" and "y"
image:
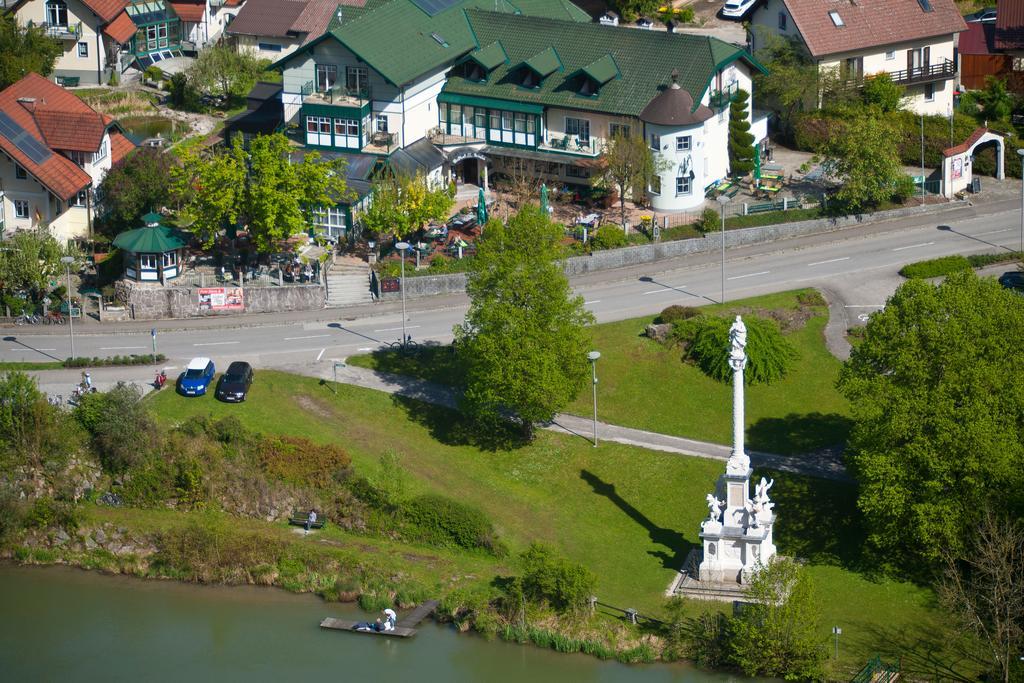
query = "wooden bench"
{"x": 300, "y": 519}
{"x": 732, "y": 191}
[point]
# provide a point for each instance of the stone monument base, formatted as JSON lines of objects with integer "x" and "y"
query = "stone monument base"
{"x": 687, "y": 583}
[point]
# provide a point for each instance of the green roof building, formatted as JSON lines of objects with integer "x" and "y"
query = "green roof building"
{"x": 513, "y": 85}
{"x": 152, "y": 253}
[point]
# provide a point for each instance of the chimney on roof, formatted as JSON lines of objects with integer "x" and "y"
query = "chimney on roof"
{"x": 675, "y": 79}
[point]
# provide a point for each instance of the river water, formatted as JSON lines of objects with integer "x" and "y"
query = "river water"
{"x": 58, "y": 623}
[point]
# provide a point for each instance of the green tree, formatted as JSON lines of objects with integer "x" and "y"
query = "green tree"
{"x": 32, "y": 432}
{"x": 995, "y": 100}
{"x": 134, "y": 186}
{"x": 937, "y": 395}
{"x": 123, "y": 433}
{"x": 209, "y": 188}
{"x": 29, "y": 261}
{"x": 631, "y": 10}
{"x": 524, "y": 341}
{"x": 867, "y": 163}
{"x": 400, "y": 204}
{"x": 223, "y": 70}
{"x": 778, "y": 634}
{"x": 879, "y": 91}
{"x": 793, "y": 81}
{"x": 630, "y": 164}
{"x": 741, "y": 141}
{"x": 25, "y": 49}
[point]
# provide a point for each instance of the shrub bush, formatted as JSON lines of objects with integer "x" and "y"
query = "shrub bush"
{"x": 769, "y": 354}
{"x": 982, "y": 260}
{"x": 811, "y": 298}
{"x": 300, "y": 461}
{"x": 47, "y": 513}
{"x": 95, "y": 362}
{"x": 609, "y": 237}
{"x": 549, "y": 579}
{"x": 449, "y": 523}
{"x": 935, "y": 267}
{"x": 708, "y": 221}
{"x": 122, "y": 430}
{"x": 675, "y": 313}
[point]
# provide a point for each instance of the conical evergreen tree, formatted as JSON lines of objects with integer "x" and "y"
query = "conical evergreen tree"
{"x": 741, "y": 142}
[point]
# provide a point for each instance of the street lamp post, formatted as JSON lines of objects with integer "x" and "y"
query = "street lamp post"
{"x": 836, "y": 631}
{"x": 402, "y": 246}
{"x": 67, "y": 261}
{"x": 723, "y": 200}
{"x": 1021, "y": 153}
{"x": 592, "y": 357}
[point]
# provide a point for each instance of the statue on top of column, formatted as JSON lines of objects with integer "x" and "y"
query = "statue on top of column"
{"x": 738, "y": 341}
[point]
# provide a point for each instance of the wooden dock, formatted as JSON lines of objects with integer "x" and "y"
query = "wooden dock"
{"x": 405, "y": 628}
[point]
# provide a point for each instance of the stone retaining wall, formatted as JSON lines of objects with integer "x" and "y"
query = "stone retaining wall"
{"x": 433, "y": 285}
{"x": 149, "y": 302}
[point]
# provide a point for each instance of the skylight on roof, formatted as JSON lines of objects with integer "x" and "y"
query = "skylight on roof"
{"x": 440, "y": 39}
{"x": 434, "y": 7}
{"x": 926, "y": 5}
{"x": 836, "y": 19}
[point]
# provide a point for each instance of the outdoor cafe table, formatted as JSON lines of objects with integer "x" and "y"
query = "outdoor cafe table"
{"x": 589, "y": 219}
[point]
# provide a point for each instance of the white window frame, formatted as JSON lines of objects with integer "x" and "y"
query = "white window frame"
{"x": 103, "y": 150}
{"x": 22, "y": 209}
{"x": 654, "y": 187}
{"x": 147, "y": 261}
{"x": 382, "y": 123}
{"x": 929, "y": 92}
{"x": 326, "y": 77}
{"x": 55, "y": 11}
{"x": 169, "y": 259}
{"x": 684, "y": 143}
{"x": 684, "y": 186}
{"x": 83, "y": 48}
{"x": 580, "y": 128}
{"x": 890, "y": 55}
{"x": 81, "y": 199}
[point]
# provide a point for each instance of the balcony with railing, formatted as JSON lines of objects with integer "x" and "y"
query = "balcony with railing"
{"x": 720, "y": 99}
{"x": 62, "y": 31}
{"x": 439, "y": 137}
{"x": 337, "y": 95}
{"x": 570, "y": 144}
{"x": 928, "y": 73}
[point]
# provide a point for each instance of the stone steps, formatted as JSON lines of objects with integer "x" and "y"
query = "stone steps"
{"x": 348, "y": 284}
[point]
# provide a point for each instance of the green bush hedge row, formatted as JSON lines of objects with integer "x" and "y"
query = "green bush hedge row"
{"x": 449, "y": 523}
{"x": 946, "y": 265}
{"x": 133, "y": 359}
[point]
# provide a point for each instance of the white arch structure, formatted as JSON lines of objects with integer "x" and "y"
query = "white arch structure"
{"x": 957, "y": 162}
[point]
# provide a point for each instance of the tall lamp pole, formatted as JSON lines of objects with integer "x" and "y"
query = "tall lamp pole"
{"x": 723, "y": 200}
{"x": 67, "y": 261}
{"x": 592, "y": 357}
{"x": 402, "y": 246}
{"x": 1021, "y": 153}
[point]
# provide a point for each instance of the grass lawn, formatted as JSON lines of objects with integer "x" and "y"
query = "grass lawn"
{"x": 644, "y": 384}
{"x": 628, "y": 514}
{"x": 31, "y": 366}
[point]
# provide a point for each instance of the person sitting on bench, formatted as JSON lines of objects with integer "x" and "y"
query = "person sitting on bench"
{"x": 310, "y": 520}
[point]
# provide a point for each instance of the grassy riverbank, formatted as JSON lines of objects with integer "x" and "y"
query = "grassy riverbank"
{"x": 627, "y": 514}
{"x": 644, "y": 384}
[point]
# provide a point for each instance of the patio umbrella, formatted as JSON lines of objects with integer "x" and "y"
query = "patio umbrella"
{"x": 481, "y": 209}
{"x": 757, "y": 164}
{"x": 544, "y": 199}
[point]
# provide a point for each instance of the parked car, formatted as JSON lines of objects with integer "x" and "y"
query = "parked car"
{"x": 986, "y": 16}
{"x": 234, "y": 384}
{"x": 197, "y": 377}
{"x": 1013, "y": 280}
{"x": 735, "y": 9}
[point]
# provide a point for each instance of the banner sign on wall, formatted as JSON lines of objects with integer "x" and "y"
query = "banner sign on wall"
{"x": 221, "y": 299}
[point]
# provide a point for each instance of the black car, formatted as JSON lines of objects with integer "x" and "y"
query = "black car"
{"x": 234, "y": 384}
{"x": 1013, "y": 280}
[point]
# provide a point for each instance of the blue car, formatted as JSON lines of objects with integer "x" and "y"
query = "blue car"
{"x": 197, "y": 377}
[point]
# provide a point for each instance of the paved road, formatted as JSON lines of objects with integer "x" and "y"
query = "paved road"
{"x": 859, "y": 267}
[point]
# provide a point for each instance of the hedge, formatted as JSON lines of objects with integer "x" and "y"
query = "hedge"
{"x": 947, "y": 265}
{"x": 84, "y": 361}
{"x": 448, "y": 523}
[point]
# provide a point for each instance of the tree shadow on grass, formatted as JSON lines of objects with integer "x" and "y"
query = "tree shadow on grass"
{"x": 430, "y": 361}
{"x": 818, "y": 520}
{"x": 678, "y": 547}
{"x": 924, "y": 651}
{"x": 797, "y": 434}
{"x": 451, "y": 428}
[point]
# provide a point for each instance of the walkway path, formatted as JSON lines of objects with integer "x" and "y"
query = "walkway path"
{"x": 824, "y": 464}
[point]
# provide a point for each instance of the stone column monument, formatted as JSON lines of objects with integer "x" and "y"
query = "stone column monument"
{"x": 737, "y": 534}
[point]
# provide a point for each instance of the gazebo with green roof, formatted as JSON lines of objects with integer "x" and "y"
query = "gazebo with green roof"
{"x": 152, "y": 253}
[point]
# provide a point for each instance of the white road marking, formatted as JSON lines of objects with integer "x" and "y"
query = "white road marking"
{"x": 831, "y": 260}
{"x": 217, "y": 343}
{"x": 590, "y": 303}
{"x": 864, "y": 317}
{"x": 309, "y": 336}
{"x": 366, "y": 348}
{"x": 740, "y": 277}
{"x": 24, "y": 349}
{"x": 994, "y": 232}
{"x": 117, "y": 348}
{"x": 320, "y": 355}
{"x": 914, "y": 246}
{"x": 667, "y": 288}
{"x": 396, "y": 329}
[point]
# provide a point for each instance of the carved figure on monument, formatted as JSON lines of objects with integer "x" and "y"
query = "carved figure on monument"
{"x": 762, "y": 503}
{"x": 752, "y": 510}
{"x": 714, "y": 508}
{"x": 738, "y": 341}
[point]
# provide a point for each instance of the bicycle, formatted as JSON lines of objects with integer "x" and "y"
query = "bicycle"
{"x": 408, "y": 347}
{"x": 27, "y": 319}
{"x": 55, "y": 318}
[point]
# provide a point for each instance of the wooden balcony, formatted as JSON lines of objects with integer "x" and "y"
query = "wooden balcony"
{"x": 929, "y": 73}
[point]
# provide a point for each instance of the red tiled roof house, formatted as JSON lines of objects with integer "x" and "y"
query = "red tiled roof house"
{"x": 94, "y": 34}
{"x": 273, "y": 29}
{"x": 54, "y": 150}
{"x": 913, "y": 40}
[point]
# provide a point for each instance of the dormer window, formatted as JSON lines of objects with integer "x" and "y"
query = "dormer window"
{"x": 836, "y": 19}
{"x": 587, "y": 87}
{"x": 538, "y": 67}
{"x": 530, "y": 79}
{"x": 474, "y": 72}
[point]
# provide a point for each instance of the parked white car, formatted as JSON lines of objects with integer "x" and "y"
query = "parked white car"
{"x": 735, "y": 9}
